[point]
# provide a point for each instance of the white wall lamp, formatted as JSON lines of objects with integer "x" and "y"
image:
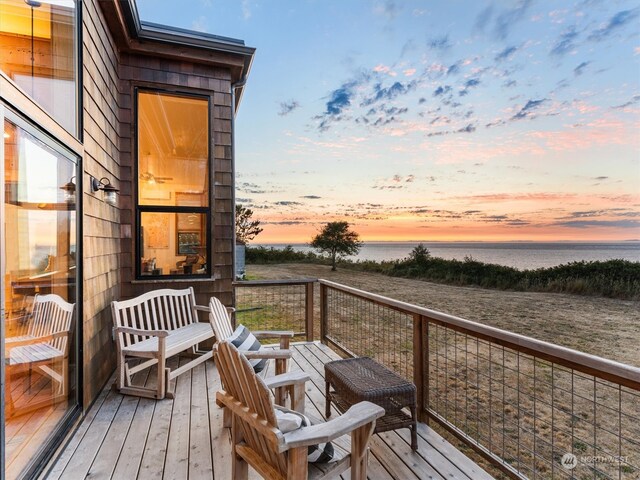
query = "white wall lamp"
{"x": 110, "y": 192}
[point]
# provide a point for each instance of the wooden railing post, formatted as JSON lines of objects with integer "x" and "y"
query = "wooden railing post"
{"x": 324, "y": 313}
{"x": 308, "y": 312}
{"x": 418, "y": 363}
{"x": 426, "y": 359}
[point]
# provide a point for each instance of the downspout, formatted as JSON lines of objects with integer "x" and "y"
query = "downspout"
{"x": 234, "y": 86}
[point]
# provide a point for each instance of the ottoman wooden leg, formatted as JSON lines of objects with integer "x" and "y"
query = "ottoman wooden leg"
{"x": 327, "y": 401}
{"x": 414, "y": 431}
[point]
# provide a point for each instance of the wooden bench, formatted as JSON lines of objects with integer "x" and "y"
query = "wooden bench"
{"x": 156, "y": 326}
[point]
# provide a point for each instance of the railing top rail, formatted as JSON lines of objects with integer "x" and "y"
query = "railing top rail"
{"x": 597, "y": 366}
{"x": 273, "y": 283}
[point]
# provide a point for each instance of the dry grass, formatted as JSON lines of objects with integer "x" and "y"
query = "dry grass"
{"x": 604, "y": 327}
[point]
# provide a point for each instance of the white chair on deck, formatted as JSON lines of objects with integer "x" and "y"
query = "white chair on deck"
{"x": 220, "y": 318}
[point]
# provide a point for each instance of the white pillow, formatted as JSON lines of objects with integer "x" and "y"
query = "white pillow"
{"x": 245, "y": 341}
{"x": 289, "y": 420}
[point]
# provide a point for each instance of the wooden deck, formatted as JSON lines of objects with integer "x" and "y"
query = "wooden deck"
{"x": 125, "y": 437}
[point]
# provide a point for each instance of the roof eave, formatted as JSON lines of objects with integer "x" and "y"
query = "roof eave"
{"x": 147, "y": 31}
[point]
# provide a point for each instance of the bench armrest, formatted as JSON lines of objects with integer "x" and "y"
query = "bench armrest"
{"x": 285, "y": 354}
{"x": 357, "y": 416}
{"x": 286, "y": 379}
{"x": 272, "y": 334}
{"x": 145, "y": 333}
{"x": 35, "y": 340}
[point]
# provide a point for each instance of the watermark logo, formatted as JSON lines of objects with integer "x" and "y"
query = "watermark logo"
{"x": 569, "y": 461}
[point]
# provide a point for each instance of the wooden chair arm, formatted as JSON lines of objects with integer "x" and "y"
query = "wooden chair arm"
{"x": 284, "y": 354}
{"x": 357, "y": 416}
{"x": 286, "y": 379}
{"x": 202, "y": 308}
{"x": 231, "y": 310}
{"x": 272, "y": 334}
{"x": 144, "y": 333}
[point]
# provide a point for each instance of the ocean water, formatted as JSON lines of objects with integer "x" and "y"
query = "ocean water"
{"x": 521, "y": 255}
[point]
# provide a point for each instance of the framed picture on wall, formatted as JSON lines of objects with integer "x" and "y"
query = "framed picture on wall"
{"x": 187, "y": 242}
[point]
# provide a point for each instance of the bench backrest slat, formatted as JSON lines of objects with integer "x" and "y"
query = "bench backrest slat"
{"x": 51, "y": 314}
{"x": 164, "y": 309}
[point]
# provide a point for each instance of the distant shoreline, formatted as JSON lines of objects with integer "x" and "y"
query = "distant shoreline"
{"x": 521, "y": 255}
{"x": 577, "y": 242}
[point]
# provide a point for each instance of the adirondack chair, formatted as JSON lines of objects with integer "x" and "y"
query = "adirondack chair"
{"x": 45, "y": 348}
{"x": 257, "y": 441}
{"x": 220, "y": 318}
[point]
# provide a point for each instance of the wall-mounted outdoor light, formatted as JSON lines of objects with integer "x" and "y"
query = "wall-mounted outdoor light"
{"x": 69, "y": 189}
{"x": 110, "y": 192}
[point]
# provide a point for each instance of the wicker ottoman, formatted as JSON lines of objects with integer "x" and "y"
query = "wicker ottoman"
{"x": 357, "y": 379}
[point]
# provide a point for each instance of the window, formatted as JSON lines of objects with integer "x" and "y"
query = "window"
{"x": 39, "y": 281}
{"x": 173, "y": 169}
{"x": 38, "y": 52}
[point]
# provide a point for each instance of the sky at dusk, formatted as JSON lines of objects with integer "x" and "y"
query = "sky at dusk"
{"x": 456, "y": 120}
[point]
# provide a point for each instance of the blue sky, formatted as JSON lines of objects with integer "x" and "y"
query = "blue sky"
{"x": 506, "y": 120}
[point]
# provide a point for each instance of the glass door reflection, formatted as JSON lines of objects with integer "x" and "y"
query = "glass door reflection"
{"x": 40, "y": 289}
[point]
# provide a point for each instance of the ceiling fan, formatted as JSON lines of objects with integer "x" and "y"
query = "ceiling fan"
{"x": 152, "y": 179}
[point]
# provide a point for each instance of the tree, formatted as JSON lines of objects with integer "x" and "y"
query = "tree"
{"x": 246, "y": 228}
{"x": 336, "y": 240}
{"x": 420, "y": 255}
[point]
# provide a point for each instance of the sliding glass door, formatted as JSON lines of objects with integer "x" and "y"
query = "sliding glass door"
{"x": 39, "y": 281}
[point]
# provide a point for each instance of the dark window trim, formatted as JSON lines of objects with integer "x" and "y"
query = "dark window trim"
{"x": 42, "y": 457}
{"x": 139, "y": 209}
{"x": 79, "y": 134}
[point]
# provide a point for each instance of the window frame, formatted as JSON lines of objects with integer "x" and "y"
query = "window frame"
{"x": 140, "y": 209}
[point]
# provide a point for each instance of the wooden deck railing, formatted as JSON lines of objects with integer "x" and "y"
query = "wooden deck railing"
{"x": 276, "y": 305}
{"x": 532, "y": 408}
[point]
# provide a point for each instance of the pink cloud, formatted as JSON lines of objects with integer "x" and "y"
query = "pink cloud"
{"x": 600, "y": 132}
{"x": 381, "y": 68}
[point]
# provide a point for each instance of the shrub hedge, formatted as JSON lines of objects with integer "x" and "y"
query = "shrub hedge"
{"x": 611, "y": 278}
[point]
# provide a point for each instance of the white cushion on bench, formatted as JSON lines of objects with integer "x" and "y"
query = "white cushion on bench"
{"x": 177, "y": 341}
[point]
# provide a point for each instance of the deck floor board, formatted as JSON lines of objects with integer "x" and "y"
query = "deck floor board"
{"x": 130, "y": 438}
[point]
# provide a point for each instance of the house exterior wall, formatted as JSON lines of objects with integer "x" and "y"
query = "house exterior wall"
{"x": 101, "y": 221}
{"x": 110, "y": 77}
